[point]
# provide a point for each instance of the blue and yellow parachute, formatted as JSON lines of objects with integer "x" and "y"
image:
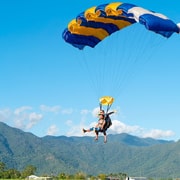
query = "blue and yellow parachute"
{"x": 96, "y": 23}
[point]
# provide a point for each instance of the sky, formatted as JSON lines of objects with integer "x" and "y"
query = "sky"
{"x": 48, "y": 87}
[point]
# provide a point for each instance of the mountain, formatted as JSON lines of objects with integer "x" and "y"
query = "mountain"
{"x": 123, "y": 153}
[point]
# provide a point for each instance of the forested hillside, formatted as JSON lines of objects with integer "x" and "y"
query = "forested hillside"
{"x": 122, "y": 154}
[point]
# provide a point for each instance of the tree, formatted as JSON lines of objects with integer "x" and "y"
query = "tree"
{"x": 80, "y": 175}
{"x": 2, "y": 169}
{"x": 62, "y": 176}
{"x": 2, "y": 166}
{"x": 13, "y": 173}
{"x": 102, "y": 176}
{"x": 29, "y": 170}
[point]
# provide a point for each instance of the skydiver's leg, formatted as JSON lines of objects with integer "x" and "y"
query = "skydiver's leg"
{"x": 88, "y": 130}
{"x": 91, "y": 129}
{"x": 105, "y": 137}
{"x": 96, "y": 132}
{"x": 96, "y": 129}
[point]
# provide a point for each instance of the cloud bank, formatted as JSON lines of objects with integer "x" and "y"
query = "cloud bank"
{"x": 66, "y": 122}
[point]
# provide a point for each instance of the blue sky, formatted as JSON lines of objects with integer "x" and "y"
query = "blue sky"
{"x": 47, "y": 87}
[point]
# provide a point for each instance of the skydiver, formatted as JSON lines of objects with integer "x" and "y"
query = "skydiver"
{"x": 104, "y": 122}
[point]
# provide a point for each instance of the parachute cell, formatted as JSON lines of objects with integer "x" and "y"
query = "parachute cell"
{"x": 93, "y": 25}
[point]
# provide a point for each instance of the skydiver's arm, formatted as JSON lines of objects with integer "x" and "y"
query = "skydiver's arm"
{"x": 111, "y": 113}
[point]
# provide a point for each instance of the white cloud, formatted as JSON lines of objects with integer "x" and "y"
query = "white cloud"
{"x": 21, "y": 117}
{"x": 52, "y": 130}
{"x": 120, "y": 127}
{"x": 84, "y": 112}
{"x": 54, "y": 109}
{"x": 75, "y": 131}
{"x": 67, "y": 111}
{"x": 69, "y": 123}
{"x": 26, "y": 120}
{"x": 158, "y": 133}
{"x": 95, "y": 112}
{"x": 34, "y": 118}
{"x": 5, "y": 114}
{"x": 21, "y": 109}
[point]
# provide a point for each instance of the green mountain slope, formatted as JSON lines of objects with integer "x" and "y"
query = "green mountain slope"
{"x": 123, "y": 153}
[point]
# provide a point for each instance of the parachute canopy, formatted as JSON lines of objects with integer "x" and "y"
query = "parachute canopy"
{"x": 93, "y": 25}
{"x": 106, "y": 100}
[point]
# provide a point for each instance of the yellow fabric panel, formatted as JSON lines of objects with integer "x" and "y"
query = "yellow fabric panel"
{"x": 111, "y": 9}
{"x": 90, "y": 13}
{"x": 106, "y": 100}
{"x": 73, "y": 25}
{"x": 98, "y": 33}
{"x": 87, "y": 31}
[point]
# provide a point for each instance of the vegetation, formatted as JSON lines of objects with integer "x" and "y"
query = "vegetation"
{"x": 13, "y": 173}
{"x": 63, "y": 156}
{"x": 30, "y": 170}
{"x": 8, "y": 174}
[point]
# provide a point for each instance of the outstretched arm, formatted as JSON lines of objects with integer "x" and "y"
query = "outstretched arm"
{"x": 111, "y": 112}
